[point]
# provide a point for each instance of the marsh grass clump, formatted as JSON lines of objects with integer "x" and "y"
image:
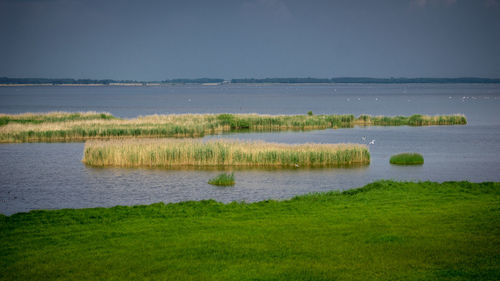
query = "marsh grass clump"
{"x": 413, "y": 120}
{"x": 407, "y": 159}
{"x": 223, "y": 180}
{"x": 197, "y": 153}
{"x": 81, "y": 126}
{"x": 52, "y": 117}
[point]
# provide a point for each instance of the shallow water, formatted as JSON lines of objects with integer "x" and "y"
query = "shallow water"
{"x": 51, "y": 175}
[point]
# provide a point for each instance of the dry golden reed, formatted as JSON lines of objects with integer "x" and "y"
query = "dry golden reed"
{"x": 192, "y": 152}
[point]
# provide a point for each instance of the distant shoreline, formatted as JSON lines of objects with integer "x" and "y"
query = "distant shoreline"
{"x": 220, "y": 84}
{"x": 12, "y": 82}
{"x": 83, "y": 85}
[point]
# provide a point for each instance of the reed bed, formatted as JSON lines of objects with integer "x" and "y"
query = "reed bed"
{"x": 190, "y": 152}
{"x": 56, "y": 116}
{"x": 61, "y": 126}
{"x": 414, "y": 120}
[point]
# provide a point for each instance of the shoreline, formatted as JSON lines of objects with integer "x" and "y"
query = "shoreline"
{"x": 241, "y": 84}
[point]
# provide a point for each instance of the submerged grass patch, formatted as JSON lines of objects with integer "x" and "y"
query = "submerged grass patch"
{"x": 190, "y": 152}
{"x": 407, "y": 159}
{"x": 60, "y": 126}
{"x": 223, "y": 180}
{"x": 384, "y": 231}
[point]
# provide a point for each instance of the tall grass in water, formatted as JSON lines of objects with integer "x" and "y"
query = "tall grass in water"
{"x": 223, "y": 180}
{"x": 414, "y": 120}
{"x": 189, "y": 152}
{"x": 407, "y": 159}
{"x": 84, "y": 126}
{"x": 51, "y": 117}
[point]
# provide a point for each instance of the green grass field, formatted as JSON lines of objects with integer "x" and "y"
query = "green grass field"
{"x": 383, "y": 231}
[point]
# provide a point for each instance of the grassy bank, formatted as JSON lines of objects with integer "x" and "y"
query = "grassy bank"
{"x": 83, "y": 126}
{"x": 407, "y": 159}
{"x": 383, "y": 231}
{"x": 189, "y": 152}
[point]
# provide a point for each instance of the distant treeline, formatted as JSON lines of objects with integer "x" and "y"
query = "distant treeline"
{"x": 62, "y": 81}
{"x": 368, "y": 80}
{"x": 282, "y": 80}
{"x": 59, "y": 81}
{"x": 193, "y": 81}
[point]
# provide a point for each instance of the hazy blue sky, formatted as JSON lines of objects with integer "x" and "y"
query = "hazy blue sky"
{"x": 154, "y": 40}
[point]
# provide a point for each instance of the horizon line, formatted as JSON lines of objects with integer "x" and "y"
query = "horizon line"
{"x": 201, "y": 80}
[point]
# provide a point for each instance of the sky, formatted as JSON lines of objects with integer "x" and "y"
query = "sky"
{"x": 155, "y": 40}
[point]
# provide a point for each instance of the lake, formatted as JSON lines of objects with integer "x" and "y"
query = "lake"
{"x": 52, "y": 176}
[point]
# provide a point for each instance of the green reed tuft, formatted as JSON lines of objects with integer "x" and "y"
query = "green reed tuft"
{"x": 223, "y": 180}
{"x": 407, "y": 159}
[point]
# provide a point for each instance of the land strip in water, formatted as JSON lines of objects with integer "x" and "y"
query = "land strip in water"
{"x": 384, "y": 231}
{"x": 78, "y": 126}
{"x": 189, "y": 152}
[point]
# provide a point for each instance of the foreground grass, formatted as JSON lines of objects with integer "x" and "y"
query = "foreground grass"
{"x": 223, "y": 180}
{"x": 189, "y": 152}
{"x": 383, "y": 231}
{"x": 83, "y": 126}
{"x": 407, "y": 159}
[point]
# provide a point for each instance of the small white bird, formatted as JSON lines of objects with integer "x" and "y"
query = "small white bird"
{"x": 372, "y": 142}
{"x": 363, "y": 138}
{"x": 296, "y": 165}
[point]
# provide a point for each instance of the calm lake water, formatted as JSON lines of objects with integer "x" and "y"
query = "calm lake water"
{"x": 51, "y": 175}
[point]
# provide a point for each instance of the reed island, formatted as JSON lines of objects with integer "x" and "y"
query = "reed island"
{"x": 198, "y": 153}
{"x": 81, "y": 126}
